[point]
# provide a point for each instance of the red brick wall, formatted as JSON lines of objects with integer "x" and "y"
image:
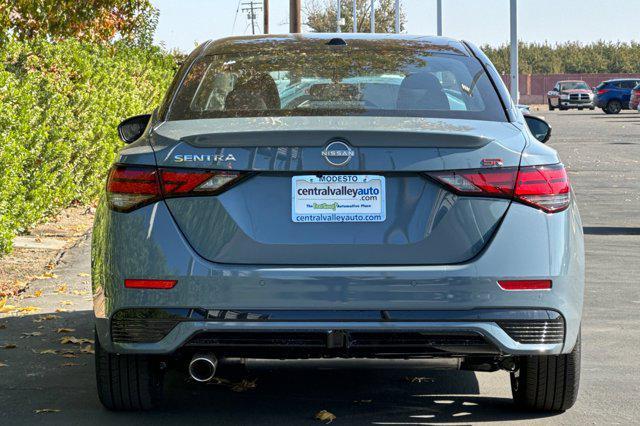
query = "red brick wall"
{"x": 534, "y": 87}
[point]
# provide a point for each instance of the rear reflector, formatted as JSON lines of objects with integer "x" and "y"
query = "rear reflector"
{"x": 543, "y": 187}
{"x": 130, "y": 187}
{"x": 525, "y": 285}
{"x": 150, "y": 284}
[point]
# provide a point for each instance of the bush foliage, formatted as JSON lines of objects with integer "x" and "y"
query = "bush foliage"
{"x": 570, "y": 58}
{"x": 60, "y": 105}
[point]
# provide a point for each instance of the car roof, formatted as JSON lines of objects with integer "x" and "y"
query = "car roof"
{"x": 622, "y": 79}
{"x": 571, "y": 81}
{"x": 310, "y": 41}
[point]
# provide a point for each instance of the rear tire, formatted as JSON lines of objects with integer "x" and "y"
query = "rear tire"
{"x": 547, "y": 382}
{"x": 127, "y": 382}
{"x": 613, "y": 107}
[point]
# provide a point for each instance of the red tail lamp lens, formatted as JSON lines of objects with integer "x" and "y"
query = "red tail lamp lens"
{"x": 543, "y": 187}
{"x": 150, "y": 284}
{"x": 131, "y": 187}
{"x": 522, "y": 285}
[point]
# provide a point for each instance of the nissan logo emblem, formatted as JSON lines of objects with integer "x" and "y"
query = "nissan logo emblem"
{"x": 338, "y": 153}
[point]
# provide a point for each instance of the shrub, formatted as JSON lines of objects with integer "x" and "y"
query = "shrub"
{"x": 60, "y": 105}
{"x": 571, "y": 57}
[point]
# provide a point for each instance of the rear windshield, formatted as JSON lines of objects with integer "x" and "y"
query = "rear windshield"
{"x": 337, "y": 82}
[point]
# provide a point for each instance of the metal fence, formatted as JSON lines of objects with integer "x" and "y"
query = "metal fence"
{"x": 534, "y": 87}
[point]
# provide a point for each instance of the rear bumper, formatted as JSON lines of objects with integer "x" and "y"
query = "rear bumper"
{"x": 283, "y": 334}
{"x": 528, "y": 245}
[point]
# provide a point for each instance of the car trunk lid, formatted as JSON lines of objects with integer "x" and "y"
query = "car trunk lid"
{"x": 251, "y": 222}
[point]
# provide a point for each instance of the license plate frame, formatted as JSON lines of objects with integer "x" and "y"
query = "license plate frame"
{"x": 344, "y": 198}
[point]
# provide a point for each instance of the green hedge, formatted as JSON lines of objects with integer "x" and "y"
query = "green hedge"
{"x": 60, "y": 104}
{"x": 570, "y": 58}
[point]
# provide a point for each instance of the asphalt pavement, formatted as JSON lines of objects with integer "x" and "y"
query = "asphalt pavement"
{"x": 602, "y": 153}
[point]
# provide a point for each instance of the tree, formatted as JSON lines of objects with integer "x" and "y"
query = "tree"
{"x": 99, "y": 21}
{"x": 321, "y": 15}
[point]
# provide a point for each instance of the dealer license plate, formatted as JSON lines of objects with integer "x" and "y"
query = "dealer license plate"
{"x": 338, "y": 198}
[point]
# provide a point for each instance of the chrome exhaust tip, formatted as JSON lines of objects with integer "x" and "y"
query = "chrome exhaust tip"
{"x": 202, "y": 367}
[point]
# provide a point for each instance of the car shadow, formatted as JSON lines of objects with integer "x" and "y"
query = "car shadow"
{"x": 39, "y": 376}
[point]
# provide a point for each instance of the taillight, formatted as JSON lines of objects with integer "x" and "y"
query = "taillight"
{"x": 130, "y": 187}
{"x": 602, "y": 91}
{"x": 543, "y": 187}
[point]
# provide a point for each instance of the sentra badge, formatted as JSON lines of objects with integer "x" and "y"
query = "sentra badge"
{"x": 203, "y": 158}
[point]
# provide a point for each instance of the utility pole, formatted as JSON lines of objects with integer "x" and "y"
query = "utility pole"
{"x": 338, "y": 16}
{"x": 439, "y": 14}
{"x": 355, "y": 17}
{"x": 514, "y": 52}
{"x": 397, "y": 16}
{"x": 251, "y": 8}
{"x": 295, "y": 16}
{"x": 373, "y": 16}
{"x": 265, "y": 16}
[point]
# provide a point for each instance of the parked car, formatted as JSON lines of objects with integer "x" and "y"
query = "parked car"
{"x": 634, "y": 101}
{"x": 570, "y": 94}
{"x": 614, "y": 95}
{"x": 395, "y": 206}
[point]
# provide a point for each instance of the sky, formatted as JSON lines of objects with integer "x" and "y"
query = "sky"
{"x": 185, "y": 23}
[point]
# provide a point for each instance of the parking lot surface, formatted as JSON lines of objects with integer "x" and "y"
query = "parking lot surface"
{"x": 602, "y": 153}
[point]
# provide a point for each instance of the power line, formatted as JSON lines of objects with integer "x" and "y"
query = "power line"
{"x": 235, "y": 18}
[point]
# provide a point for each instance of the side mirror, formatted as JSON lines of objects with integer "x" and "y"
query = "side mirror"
{"x": 541, "y": 129}
{"x": 133, "y": 127}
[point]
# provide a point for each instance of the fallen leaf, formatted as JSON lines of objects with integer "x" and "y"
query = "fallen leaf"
{"x": 46, "y": 410}
{"x": 80, "y": 292}
{"x": 47, "y": 317}
{"x": 32, "y": 334}
{"x": 3, "y": 326}
{"x": 87, "y": 350}
{"x": 325, "y": 416}
{"x": 3, "y": 365}
{"x": 69, "y": 355}
{"x": 61, "y": 310}
{"x": 75, "y": 340}
{"x": 28, "y": 309}
{"x": 4, "y": 308}
{"x": 37, "y": 293}
{"x": 244, "y": 385}
{"x": 418, "y": 379}
{"x": 66, "y": 303}
{"x": 69, "y": 364}
{"x": 47, "y": 276}
{"x": 62, "y": 288}
{"x": 48, "y": 351}
{"x": 83, "y": 274}
{"x": 65, "y": 330}
{"x": 8, "y": 346}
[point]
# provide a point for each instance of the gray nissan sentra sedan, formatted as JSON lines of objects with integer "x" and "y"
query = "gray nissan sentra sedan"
{"x": 337, "y": 196}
